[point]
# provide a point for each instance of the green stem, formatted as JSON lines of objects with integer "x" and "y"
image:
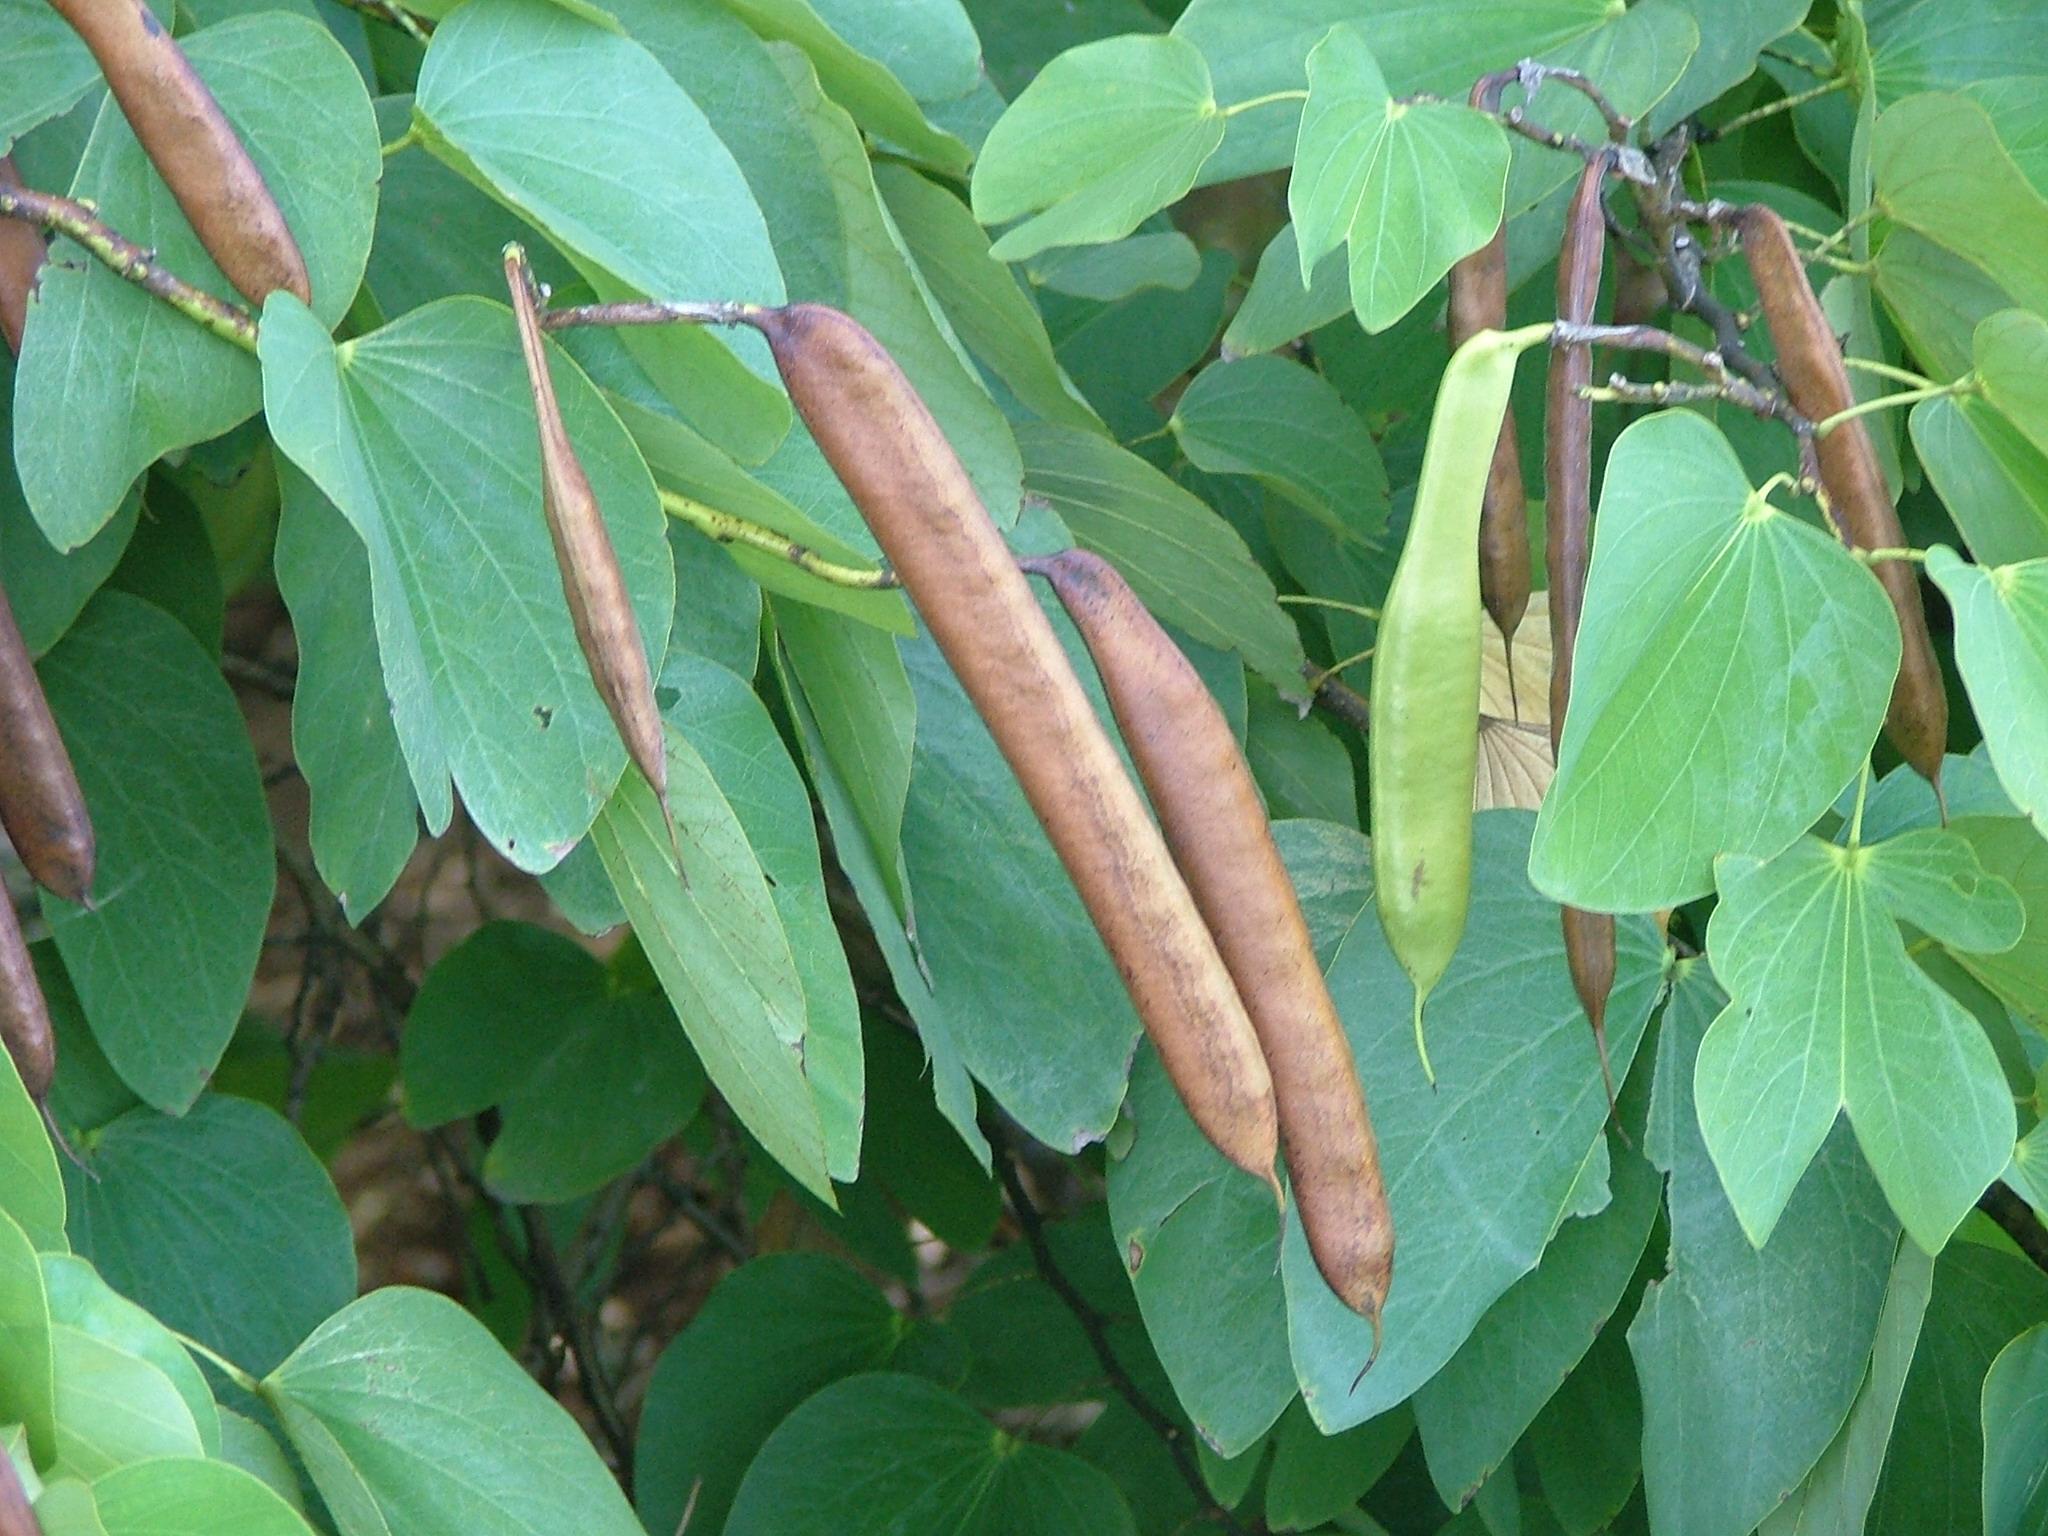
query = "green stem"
{"x": 405, "y": 140}
{"x": 728, "y": 529}
{"x": 1862, "y": 794}
{"x": 1964, "y": 386}
{"x": 1303, "y": 599}
{"x": 1887, "y": 371}
{"x": 76, "y": 221}
{"x": 1874, "y": 556}
{"x": 1263, "y": 101}
{"x": 220, "y": 1362}
{"x": 1783, "y": 104}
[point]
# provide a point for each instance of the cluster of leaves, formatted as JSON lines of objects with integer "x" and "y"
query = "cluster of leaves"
{"x": 1761, "y": 1299}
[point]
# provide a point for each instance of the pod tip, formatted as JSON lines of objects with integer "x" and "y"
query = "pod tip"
{"x": 1422, "y": 1045}
{"x": 1372, "y": 1317}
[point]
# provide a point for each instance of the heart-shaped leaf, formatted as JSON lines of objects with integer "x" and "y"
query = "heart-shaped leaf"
{"x": 1409, "y": 186}
{"x": 1732, "y": 672}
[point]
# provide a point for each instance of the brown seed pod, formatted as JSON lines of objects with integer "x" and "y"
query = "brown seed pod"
{"x": 1639, "y": 290}
{"x": 41, "y": 805}
{"x": 1217, "y": 830}
{"x": 21, "y": 258}
{"x": 1568, "y": 481}
{"x": 1810, "y": 363}
{"x": 600, "y": 605}
{"x": 24, "y": 1018}
{"x": 1479, "y": 302}
{"x": 16, "y": 1517}
{"x": 192, "y": 145}
{"x": 884, "y": 445}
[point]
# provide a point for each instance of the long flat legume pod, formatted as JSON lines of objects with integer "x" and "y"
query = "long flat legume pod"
{"x": 1810, "y": 362}
{"x": 903, "y": 475}
{"x": 600, "y": 606}
{"x": 1217, "y": 831}
{"x": 1568, "y": 530}
{"x": 41, "y": 805}
{"x": 192, "y": 145}
{"x": 1424, "y": 742}
{"x": 21, "y": 258}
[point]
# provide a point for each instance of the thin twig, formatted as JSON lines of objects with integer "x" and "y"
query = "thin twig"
{"x": 729, "y": 529}
{"x": 1340, "y": 698}
{"x": 78, "y": 222}
{"x": 1092, "y": 1326}
{"x": 1765, "y": 400}
{"x": 597, "y": 1387}
{"x": 1772, "y": 108}
{"x": 1533, "y": 75}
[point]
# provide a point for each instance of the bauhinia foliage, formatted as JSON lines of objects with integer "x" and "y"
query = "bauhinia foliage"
{"x": 1146, "y": 767}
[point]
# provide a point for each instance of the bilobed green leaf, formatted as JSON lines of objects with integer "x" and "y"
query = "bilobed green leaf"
{"x": 1828, "y": 1014}
{"x": 1992, "y": 480}
{"x": 1280, "y": 305}
{"x": 46, "y": 588}
{"x": 1289, "y": 428}
{"x": 928, "y": 45}
{"x": 2016, "y": 1437}
{"x": 775, "y": 1331}
{"x": 1944, "y": 47}
{"x": 364, "y": 822}
{"x": 1836, "y": 1495}
{"x": 1317, "y": 1477}
{"x": 81, "y": 1300}
{"x": 886, "y": 294}
{"x": 2011, "y": 351}
{"x": 31, "y": 1189}
{"x": 643, "y": 196}
{"x": 438, "y": 233}
{"x": 1186, "y": 564}
{"x": 110, "y": 377}
{"x": 1201, "y": 1241}
{"x": 164, "y": 957}
{"x": 1258, "y": 47}
{"x": 2010, "y": 849}
{"x": 1940, "y": 170}
{"x": 1105, "y": 135}
{"x": 723, "y": 718}
{"x": 719, "y": 946}
{"x": 411, "y": 1417}
{"x": 1409, "y": 186}
{"x": 1160, "y": 258}
{"x": 2001, "y": 616}
{"x": 866, "y": 716}
{"x": 27, "y": 1358}
{"x": 881, "y": 1453}
{"x": 114, "y": 1408}
{"x": 1054, "y": 1053}
{"x": 866, "y": 88}
{"x": 1481, "y": 1168}
{"x": 1936, "y": 298}
{"x": 1473, "y": 1411}
{"x": 423, "y": 434}
{"x": 188, "y": 1496}
{"x": 1735, "y": 664}
{"x": 1731, "y": 35}
{"x": 251, "y": 1287}
{"x": 1749, "y": 1358}
{"x": 1934, "y": 1472}
{"x": 248, "y": 1445}
{"x": 980, "y": 296}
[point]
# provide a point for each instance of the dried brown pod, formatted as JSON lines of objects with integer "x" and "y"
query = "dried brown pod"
{"x": 192, "y": 145}
{"x": 24, "y": 1017}
{"x": 1217, "y": 830}
{"x": 21, "y": 257}
{"x": 882, "y": 442}
{"x": 1568, "y": 488}
{"x": 41, "y": 805}
{"x": 600, "y": 605}
{"x": 1810, "y": 363}
{"x": 1479, "y": 302}
{"x": 16, "y": 1517}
